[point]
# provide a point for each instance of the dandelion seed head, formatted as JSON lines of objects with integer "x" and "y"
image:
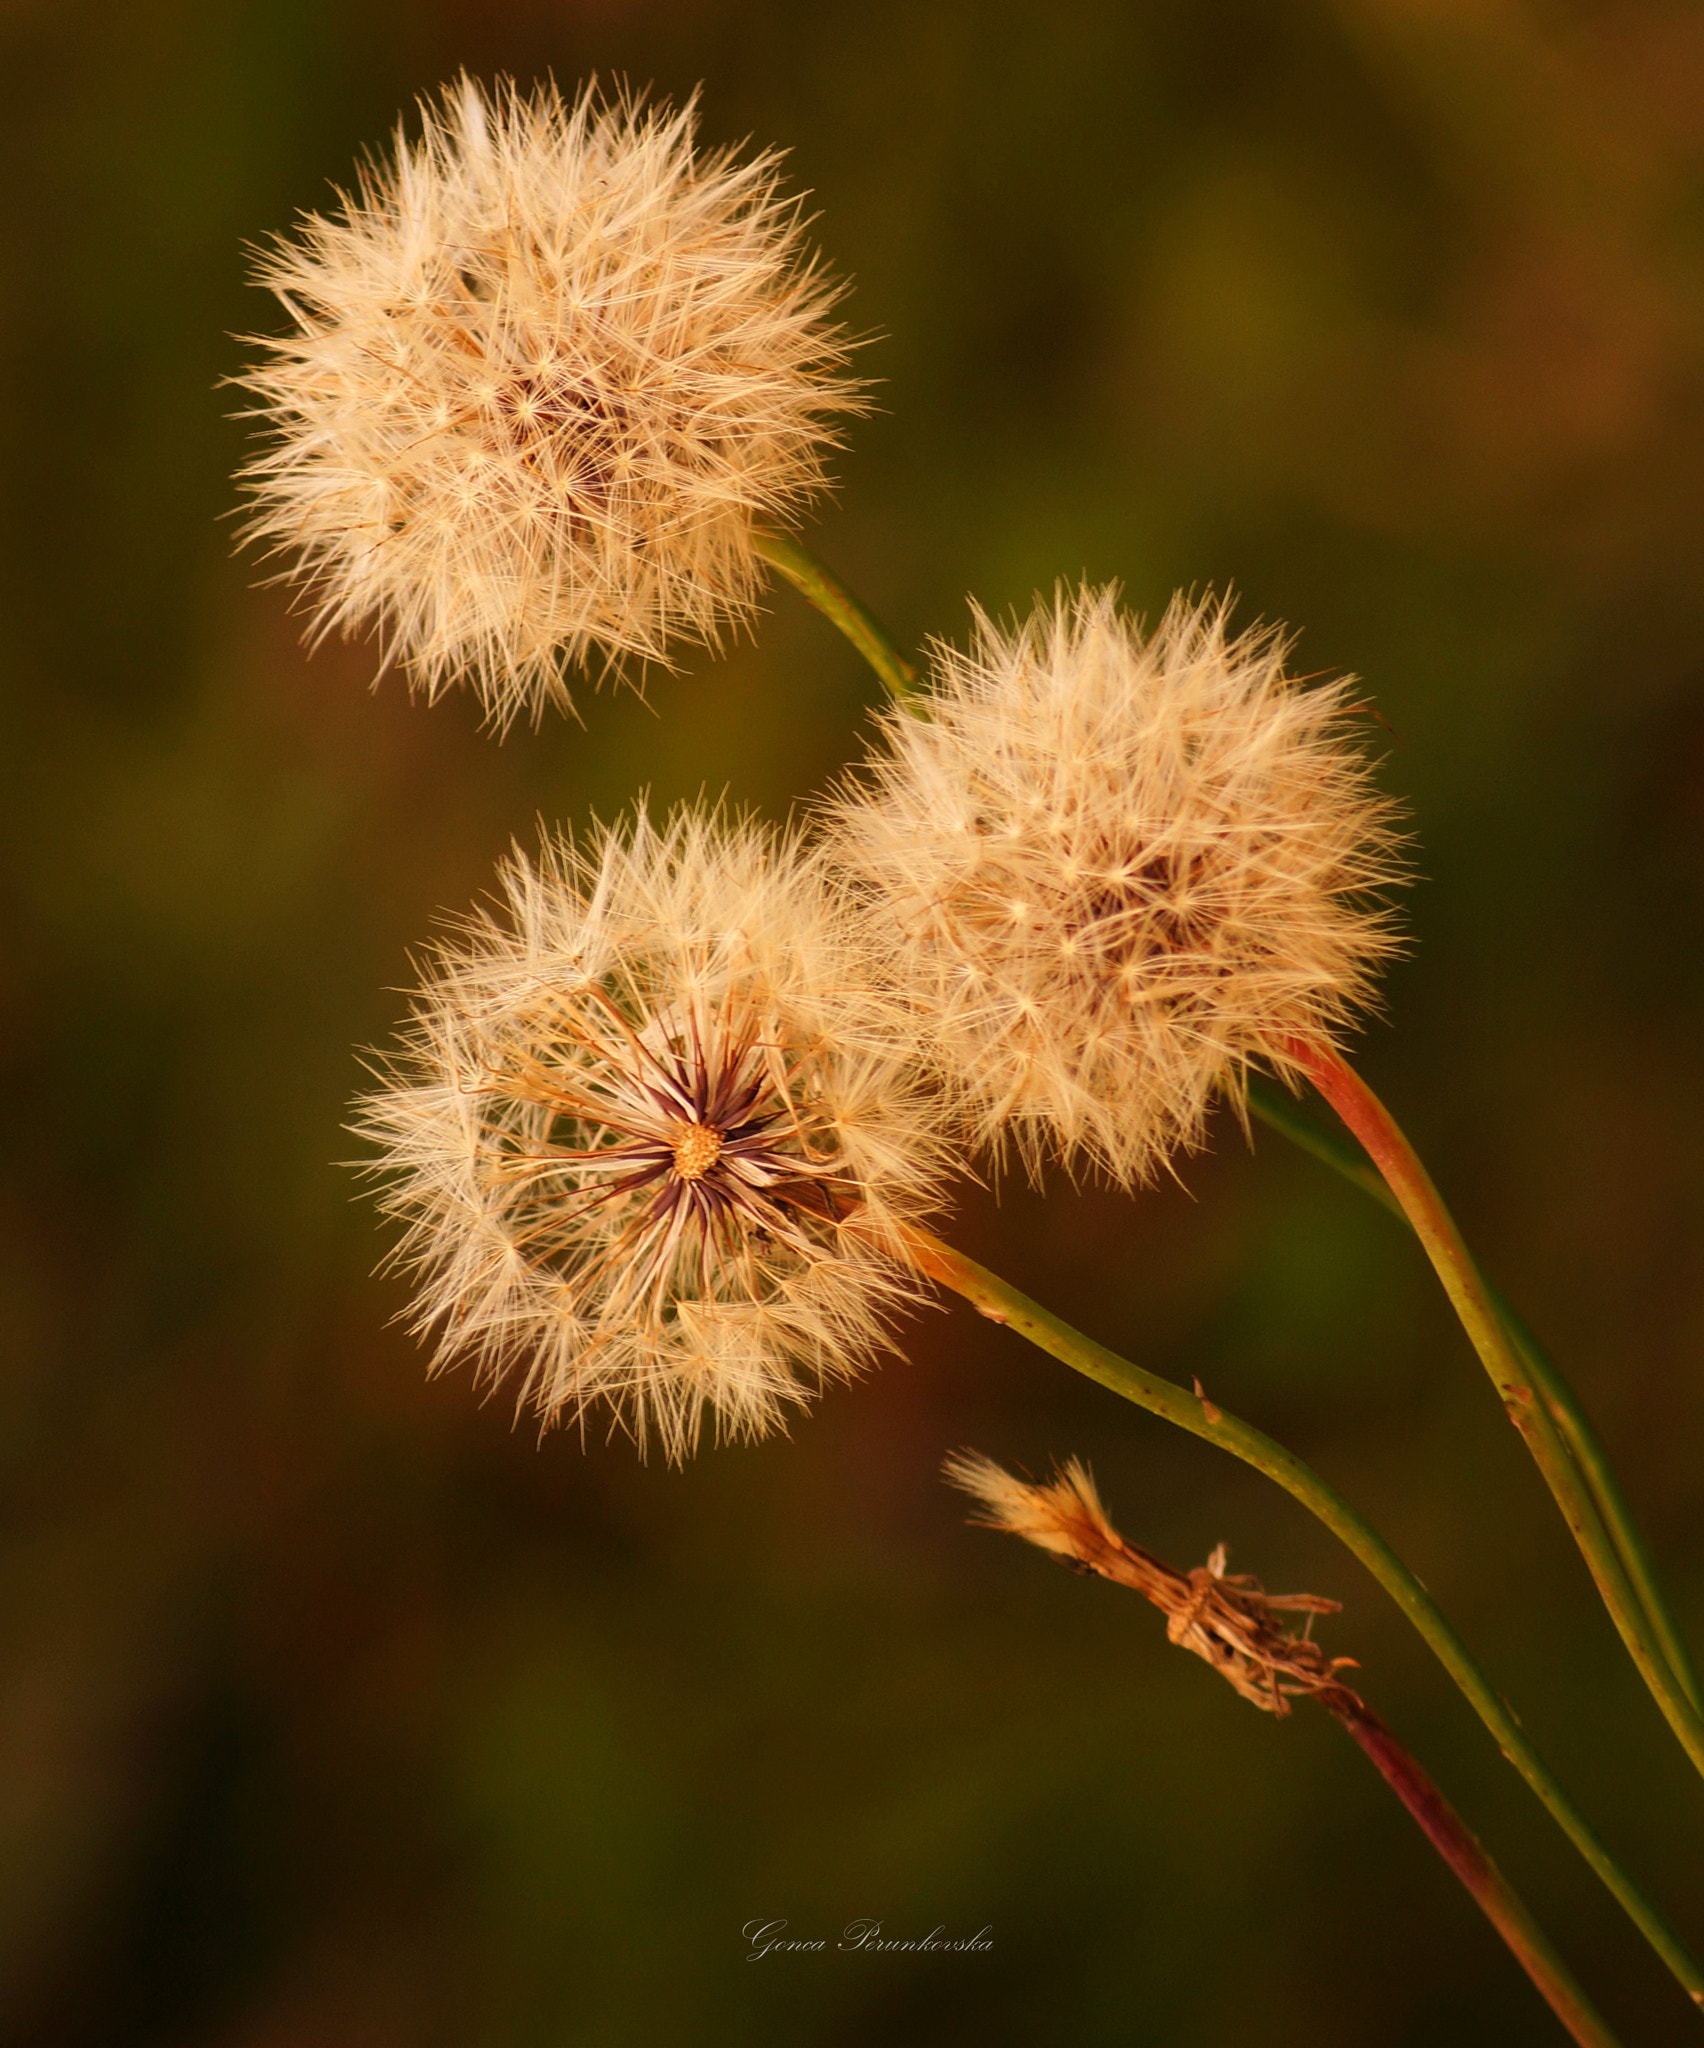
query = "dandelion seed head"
{"x": 650, "y": 1135}
{"x": 1118, "y": 869}
{"x": 546, "y": 368}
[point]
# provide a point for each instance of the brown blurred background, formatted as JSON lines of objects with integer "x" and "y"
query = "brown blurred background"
{"x": 336, "y": 1710}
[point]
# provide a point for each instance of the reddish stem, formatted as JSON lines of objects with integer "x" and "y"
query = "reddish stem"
{"x": 1449, "y": 1835}
{"x": 1001, "y": 1302}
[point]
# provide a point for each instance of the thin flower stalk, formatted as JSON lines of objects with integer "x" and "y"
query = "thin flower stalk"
{"x": 1455, "y": 1842}
{"x": 1234, "y": 1624}
{"x": 1001, "y": 1302}
{"x": 1472, "y": 1300}
{"x": 819, "y": 586}
{"x": 1274, "y": 1107}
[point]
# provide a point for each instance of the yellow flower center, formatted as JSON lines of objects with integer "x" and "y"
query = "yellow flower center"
{"x": 696, "y": 1150}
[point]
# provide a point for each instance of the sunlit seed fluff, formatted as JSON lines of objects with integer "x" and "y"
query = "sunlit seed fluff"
{"x": 650, "y": 1136}
{"x": 1118, "y": 869}
{"x": 545, "y": 368}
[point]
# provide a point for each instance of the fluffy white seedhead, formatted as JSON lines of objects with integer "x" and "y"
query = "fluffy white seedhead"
{"x": 1118, "y": 869}
{"x": 545, "y": 369}
{"x": 651, "y": 1137}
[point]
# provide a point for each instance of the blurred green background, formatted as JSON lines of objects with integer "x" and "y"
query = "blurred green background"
{"x": 338, "y": 1711}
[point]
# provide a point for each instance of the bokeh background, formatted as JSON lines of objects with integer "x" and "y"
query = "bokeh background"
{"x": 336, "y": 1709}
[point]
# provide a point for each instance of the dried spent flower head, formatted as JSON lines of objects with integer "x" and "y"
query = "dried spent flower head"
{"x": 1118, "y": 870}
{"x": 650, "y": 1137}
{"x": 1230, "y": 1621}
{"x": 546, "y": 368}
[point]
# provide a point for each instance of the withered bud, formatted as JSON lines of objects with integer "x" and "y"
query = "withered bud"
{"x": 1228, "y": 1619}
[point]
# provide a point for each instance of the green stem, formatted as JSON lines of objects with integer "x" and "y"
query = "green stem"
{"x": 1002, "y": 1303}
{"x": 1273, "y": 1106}
{"x": 1624, "y": 1559}
{"x": 1454, "y": 1841}
{"x": 831, "y": 597}
{"x": 1409, "y": 1181}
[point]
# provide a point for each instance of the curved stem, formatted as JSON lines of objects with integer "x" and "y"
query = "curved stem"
{"x": 831, "y": 597}
{"x": 1409, "y": 1181}
{"x": 1276, "y": 1108}
{"x": 1003, "y": 1303}
{"x": 1455, "y": 1842}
